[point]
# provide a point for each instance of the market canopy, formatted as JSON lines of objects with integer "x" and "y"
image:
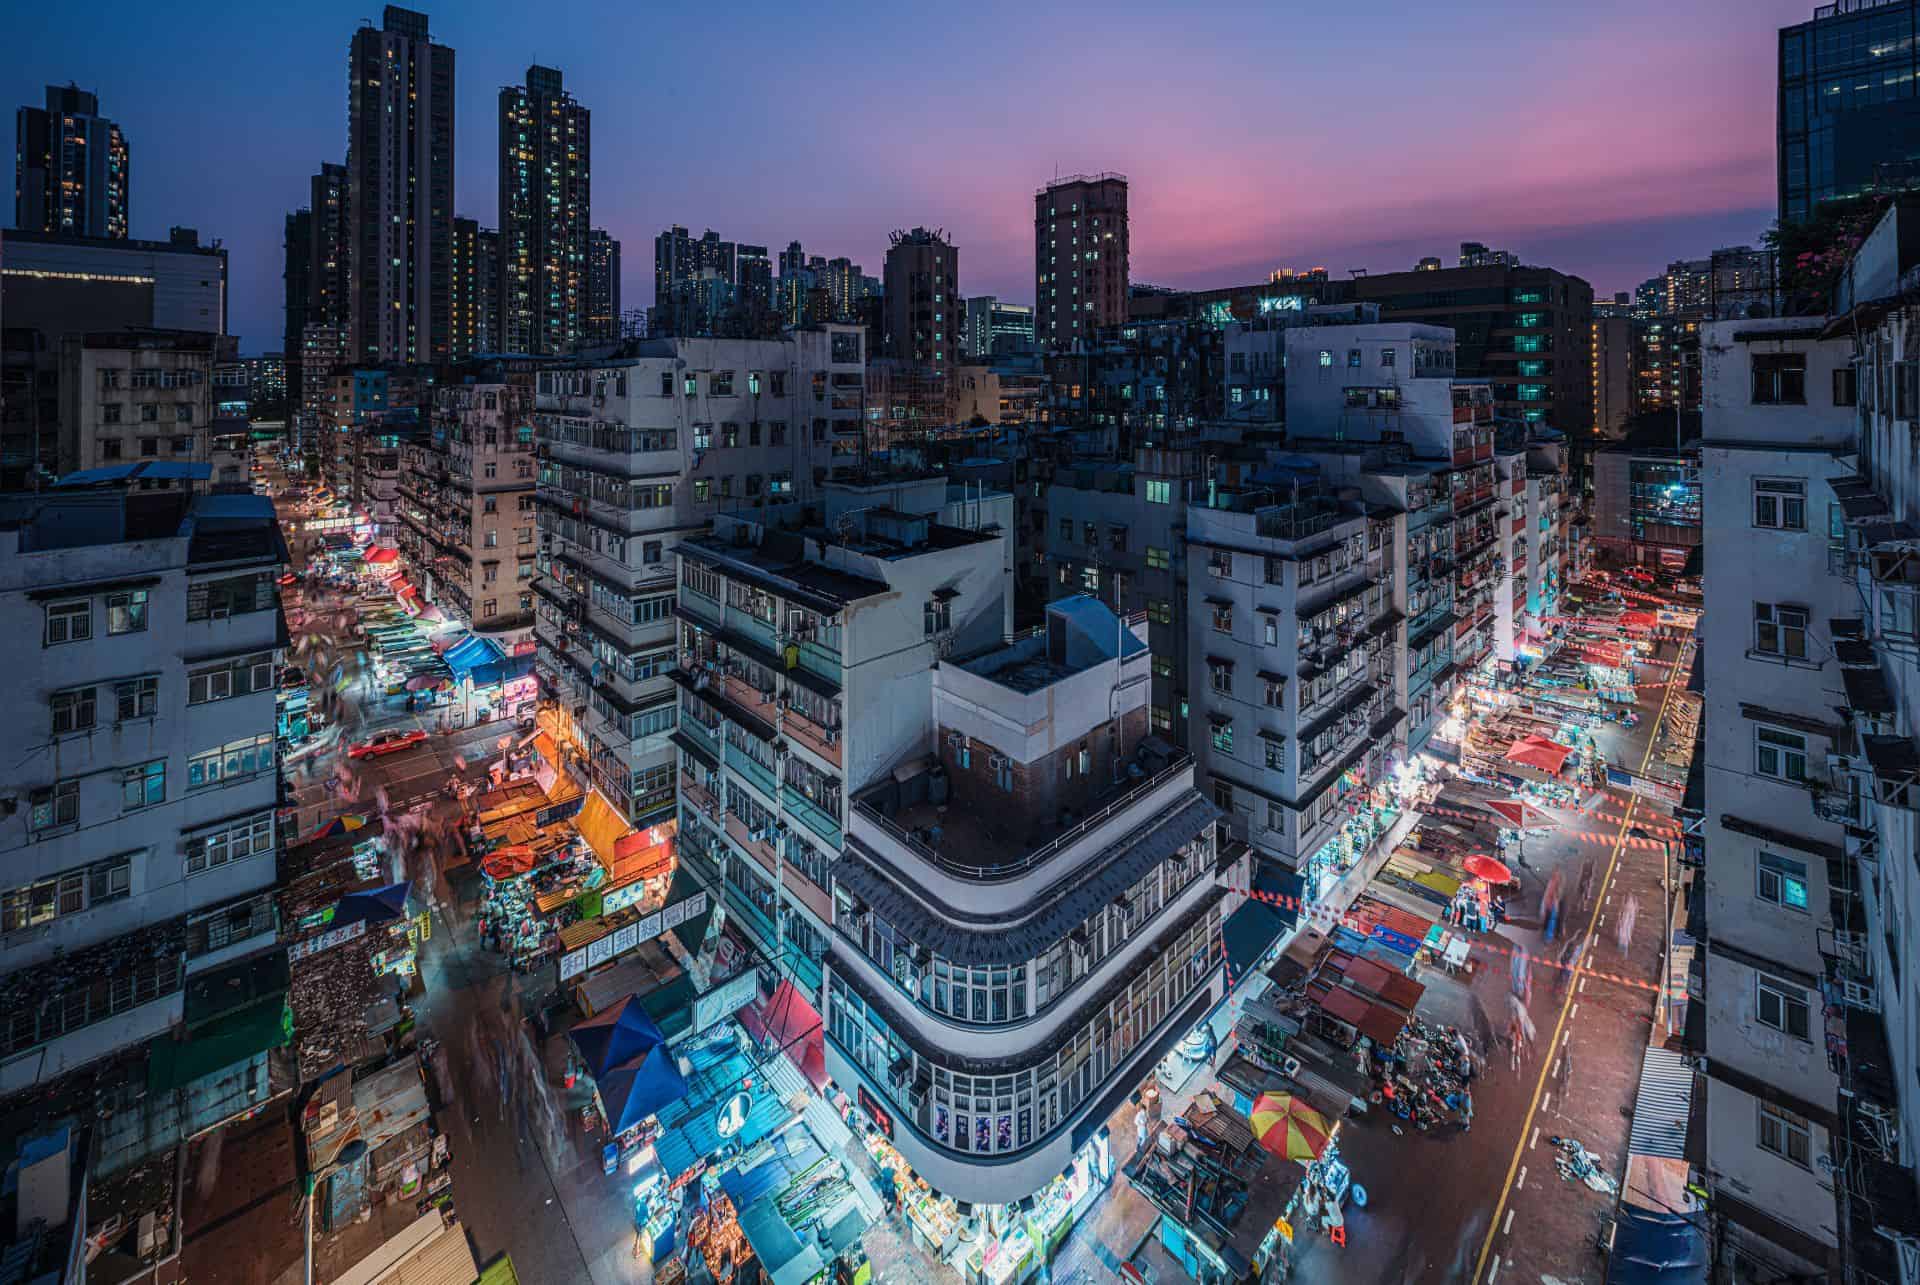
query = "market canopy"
{"x": 1539, "y": 752}
{"x": 469, "y": 653}
{"x": 602, "y": 826}
{"x": 508, "y": 862}
{"x": 1518, "y": 814}
{"x": 375, "y": 906}
{"x": 504, "y": 670}
{"x": 345, "y": 824}
{"x": 618, "y": 1034}
{"x": 638, "y": 1088}
{"x": 383, "y": 553}
{"x": 1289, "y": 1128}
{"x": 1482, "y": 866}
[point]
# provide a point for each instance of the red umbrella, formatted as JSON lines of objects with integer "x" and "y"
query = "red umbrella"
{"x": 1485, "y": 867}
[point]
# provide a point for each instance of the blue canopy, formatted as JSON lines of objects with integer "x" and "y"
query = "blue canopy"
{"x": 637, "y": 1089}
{"x": 376, "y": 905}
{"x": 1655, "y": 1248}
{"x": 504, "y": 670}
{"x": 616, "y": 1035}
{"x": 470, "y": 653}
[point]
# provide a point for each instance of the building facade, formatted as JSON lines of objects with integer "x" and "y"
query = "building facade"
{"x": 1845, "y": 125}
{"x": 400, "y": 185}
{"x": 1612, "y": 366}
{"x": 130, "y": 396}
{"x": 71, "y": 168}
{"x": 1523, "y": 330}
{"x": 603, "y": 288}
{"x": 634, "y": 453}
{"x": 140, "y": 836}
{"x": 1080, "y": 259}
{"x": 318, "y": 241}
{"x": 546, "y": 214}
{"x": 466, "y": 502}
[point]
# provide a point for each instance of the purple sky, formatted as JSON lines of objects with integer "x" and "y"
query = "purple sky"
{"x": 1600, "y": 139}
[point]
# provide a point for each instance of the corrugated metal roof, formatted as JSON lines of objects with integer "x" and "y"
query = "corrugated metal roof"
{"x": 427, "y": 1252}
{"x": 1660, "y": 1107}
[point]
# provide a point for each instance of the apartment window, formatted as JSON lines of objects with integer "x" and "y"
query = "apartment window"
{"x": 1223, "y": 795}
{"x": 1270, "y": 630}
{"x": 1781, "y": 881}
{"x": 1066, "y": 530}
{"x": 216, "y": 848}
{"x": 721, "y": 383}
{"x": 666, "y": 383}
{"x": 1220, "y": 678}
{"x": 144, "y": 785}
{"x": 1160, "y": 717}
{"x": 1276, "y": 755}
{"x": 1781, "y": 1005}
{"x": 1003, "y": 772}
{"x": 54, "y": 805}
{"x": 110, "y": 449}
{"x": 236, "y": 678}
{"x": 1117, "y": 539}
{"x": 1157, "y": 559}
{"x": 1274, "y": 694}
{"x": 702, "y": 490}
{"x": 72, "y": 710}
{"x": 1163, "y": 666}
{"x": 70, "y": 621}
{"x": 1780, "y": 379}
{"x": 1780, "y": 754}
{"x": 938, "y": 616}
{"x": 1326, "y": 357}
{"x": 1846, "y": 390}
{"x": 1222, "y": 618}
{"x": 1898, "y": 614}
{"x": 1780, "y": 630}
{"x": 1786, "y": 1135}
{"x": 1160, "y": 611}
{"x": 1223, "y": 737}
{"x": 1353, "y": 359}
{"x": 182, "y": 414}
{"x": 1386, "y": 358}
{"x": 110, "y": 413}
{"x": 1780, "y": 504}
{"x": 127, "y": 612}
{"x": 1159, "y": 492}
{"x": 691, "y": 385}
{"x": 1090, "y": 578}
{"x": 136, "y": 698}
{"x": 149, "y": 414}
{"x": 230, "y": 762}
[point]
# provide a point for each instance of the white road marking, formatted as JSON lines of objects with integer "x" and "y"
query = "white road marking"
{"x": 1536, "y": 1138}
{"x": 1521, "y": 1181}
{"x": 1507, "y": 1227}
{"x": 1556, "y": 1068}
{"x": 1583, "y": 986}
{"x": 1493, "y": 1269}
{"x": 1545, "y": 1102}
{"x": 1574, "y": 1012}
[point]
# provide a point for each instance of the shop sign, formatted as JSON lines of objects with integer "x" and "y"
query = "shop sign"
{"x": 1620, "y": 779}
{"x": 599, "y": 952}
{"x": 299, "y": 950}
{"x": 621, "y": 940}
{"x": 725, "y": 999}
{"x": 732, "y": 1116}
{"x": 625, "y": 939}
{"x": 621, "y": 898}
{"x": 881, "y": 1117}
{"x": 1285, "y": 1229}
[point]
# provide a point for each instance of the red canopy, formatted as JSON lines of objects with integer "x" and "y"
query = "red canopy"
{"x": 1539, "y": 752}
{"x": 788, "y": 1022}
{"x": 1518, "y": 814}
{"x": 508, "y": 862}
{"x": 1482, "y": 866}
{"x": 385, "y": 553}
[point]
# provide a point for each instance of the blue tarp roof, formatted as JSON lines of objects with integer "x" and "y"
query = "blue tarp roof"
{"x": 637, "y": 1089}
{"x": 1248, "y": 932}
{"x": 470, "y": 653}
{"x": 168, "y": 470}
{"x": 376, "y": 905}
{"x": 504, "y": 670}
{"x": 1278, "y": 881}
{"x": 1652, "y": 1248}
{"x": 617, "y": 1034}
{"x": 689, "y": 1132}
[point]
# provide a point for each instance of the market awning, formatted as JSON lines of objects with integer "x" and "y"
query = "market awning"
{"x": 602, "y": 826}
{"x": 383, "y": 553}
{"x": 469, "y": 653}
{"x": 173, "y": 1063}
{"x": 644, "y": 854}
{"x": 1537, "y": 751}
{"x": 1248, "y": 933}
{"x": 616, "y": 1035}
{"x": 789, "y": 1023}
{"x": 504, "y": 670}
{"x": 376, "y": 905}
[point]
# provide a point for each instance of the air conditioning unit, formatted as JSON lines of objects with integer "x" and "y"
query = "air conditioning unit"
{"x": 957, "y": 739}
{"x": 833, "y": 736}
{"x": 998, "y": 761}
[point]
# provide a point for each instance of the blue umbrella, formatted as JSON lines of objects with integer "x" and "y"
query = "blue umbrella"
{"x": 637, "y": 1089}
{"x": 616, "y": 1035}
{"x": 375, "y": 906}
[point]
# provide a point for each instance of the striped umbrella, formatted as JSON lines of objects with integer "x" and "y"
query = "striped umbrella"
{"x": 1289, "y": 1128}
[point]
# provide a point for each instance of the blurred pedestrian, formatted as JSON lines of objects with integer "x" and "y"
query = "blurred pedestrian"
{"x": 1623, "y": 930}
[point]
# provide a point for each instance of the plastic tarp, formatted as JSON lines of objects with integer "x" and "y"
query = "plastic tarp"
{"x": 1656, "y": 1248}
{"x": 618, "y": 1033}
{"x": 1248, "y": 932}
{"x": 383, "y": 553}
{"x": 1539, "y": 752}
{"x": 789, "y": 1023}
{"x": 782, "y": 1256}
{"x": 469, "y": 654}
{"x": 504, "y": 670}
{"x": 602, "y": 826}
{"x": 173, "y": 1063}
{"x": 375, "y": 906}
{"x": 637, "y": 1089}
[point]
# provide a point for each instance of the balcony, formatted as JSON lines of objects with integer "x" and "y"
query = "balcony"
{"x": 824, "y": 742}
{"x": 753, "y": 770}
{"x": 812, "y": 815}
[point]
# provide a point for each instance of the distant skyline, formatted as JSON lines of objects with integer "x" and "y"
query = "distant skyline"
{"x": 1601, "y": 140}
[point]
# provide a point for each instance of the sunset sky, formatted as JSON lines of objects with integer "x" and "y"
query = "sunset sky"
{"x": 1593, "y": 138}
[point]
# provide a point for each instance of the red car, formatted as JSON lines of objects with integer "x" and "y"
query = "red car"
{"x": 386, "y": 743}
